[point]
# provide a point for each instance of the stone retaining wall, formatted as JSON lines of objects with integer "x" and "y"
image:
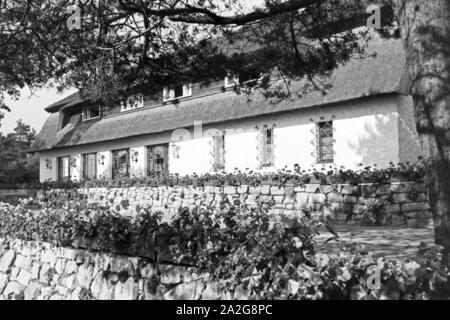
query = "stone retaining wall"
{"x": 406, "y": 201}
{"x": 38, "y": 271}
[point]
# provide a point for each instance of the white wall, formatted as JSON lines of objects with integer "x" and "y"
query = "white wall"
{"x": 241, "y": 150}
{"x": 365, "y": 131}
{"x": 194, "y": 156}
{"x": 49, "y": 173}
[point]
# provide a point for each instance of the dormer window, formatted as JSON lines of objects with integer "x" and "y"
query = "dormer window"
{"x": 177, "y": 92}
{"x": 231, "y": 80}
{"x": 133, "y": 102}
{"x": 91, "y": 112}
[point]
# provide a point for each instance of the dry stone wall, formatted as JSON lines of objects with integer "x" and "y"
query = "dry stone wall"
{"x": 406, "y": 201}
{"x": 39, "y": 271}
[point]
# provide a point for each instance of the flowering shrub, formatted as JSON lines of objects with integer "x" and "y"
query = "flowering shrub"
{"x": 248, "y": 253}
{"x": 297, "y": 176}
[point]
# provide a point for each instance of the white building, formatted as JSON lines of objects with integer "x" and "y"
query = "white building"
{"x": 364, "y": 118}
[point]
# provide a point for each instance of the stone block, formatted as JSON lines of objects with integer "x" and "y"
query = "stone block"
{"x": 185, "y": 291}
{"x": 32, "y": 291}
{"x": 335, "y": 197}
{"x": 393, "y": 208}
{"x": 312, "y": 188}
{"x": 265, "y": 199}
{"x": 383, "y": 189}
{"x": 70, "y": 267}
{"x": 417, "y": 206}
{"x": 302, "y": 199}
{"x": 317, "y": 198}
{"x": 277, "y": 191}
{"x": 400, "y": 187}
{"x": 101, "y": 288}
{"x": 229, "y": 190}
{"x": 265, "y": 189}
{"x": 14, "y": 291}
{"x": 171, "y": 274}
{"x": 400, "y": 198}
{"x": 369, "y": 190}
{"x": 7, "y": 260}
{"x": 35, "y": 270}
{"x": 325, "y": 188}
{"x": 349, "y": 189}
{"x": 278, "y": 199}
{"x": 211, "y": 292}
{"x": 350, "y": 199}
{"x": 24, "y": 277}
{"x": 127, "y": 290}
{"x": 3, "y": 281}
{"x": 85, "y": 275}
{"x": 60, "y": 265}
{"x": 242, "y": 189}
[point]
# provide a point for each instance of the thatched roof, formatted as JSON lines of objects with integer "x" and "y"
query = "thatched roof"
{"x": 380, "y": 74}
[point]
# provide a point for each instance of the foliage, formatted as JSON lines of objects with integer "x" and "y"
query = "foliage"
{"x": 282, "y": 177}
{"x": 376, "y": 212}
{"x": 17, "y": 167}
{"x": 249, "y": 254}
{"x": 130, "y": 46}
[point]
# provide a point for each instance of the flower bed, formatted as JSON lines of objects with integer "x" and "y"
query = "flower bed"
{"x": 284, "y": 177}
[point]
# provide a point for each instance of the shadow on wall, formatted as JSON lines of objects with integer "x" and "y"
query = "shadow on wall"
{"x": 378, "y": 144}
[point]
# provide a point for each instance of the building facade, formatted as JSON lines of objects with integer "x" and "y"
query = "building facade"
{"x": 364, "y": 118}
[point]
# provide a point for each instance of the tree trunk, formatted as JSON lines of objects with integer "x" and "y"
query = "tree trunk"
{"x": 425, "y": 31}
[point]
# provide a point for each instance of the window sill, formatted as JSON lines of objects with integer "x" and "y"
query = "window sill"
{"x": 91, "y": 119}
{"x": 171, "y": 100}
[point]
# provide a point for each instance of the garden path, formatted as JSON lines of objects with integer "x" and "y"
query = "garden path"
{"x": 390, "y": 242}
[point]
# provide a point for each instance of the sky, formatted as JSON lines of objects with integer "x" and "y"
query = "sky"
{"x": 30, "y": 108}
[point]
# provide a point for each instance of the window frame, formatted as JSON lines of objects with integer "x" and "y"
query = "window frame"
{"x": 86, "y": 112}
{"x": 267, "y": 151}
{"x": 218, "y": 152}
{"x": 169, "y": 92}
{"x": 85, "y": 166}
{"x": 125, "y": 106}
{"x": 322, "y": 146}
{"x": 151, "y": 158}
{"x": 114, "y": 163}
{"x": 60, "y": 168}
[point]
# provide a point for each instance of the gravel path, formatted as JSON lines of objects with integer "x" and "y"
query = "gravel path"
{"x": 391, "y": 242}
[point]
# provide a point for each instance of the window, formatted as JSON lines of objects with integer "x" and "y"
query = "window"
{"x": 325, "y": 153}
{"x": 218, "y": 153}
{"x": 91, "y": 112}
{"x": 266, "y": 152}
{"x": 70, "y": 117}
{"x": 121, "y": 163}
{"x": 177, "y": 91}
{"x": 64, "y": 168}
{"x": 231, "y": 80}
{"x": 133, "y": 102}
{"x": 243, "y": 78}
{"x": 89, "y": 166}
{"x": 158, "y": 159}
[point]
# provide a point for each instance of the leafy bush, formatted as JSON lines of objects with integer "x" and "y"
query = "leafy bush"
{"x": 248, "y": 253}
{"x": 376, "y": 213}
